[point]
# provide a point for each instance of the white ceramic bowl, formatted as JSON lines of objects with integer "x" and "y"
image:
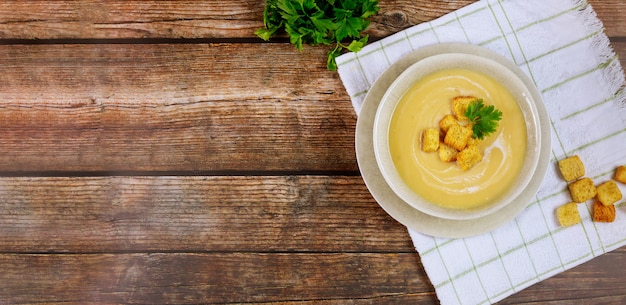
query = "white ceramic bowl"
{"x": 521, "y": 93}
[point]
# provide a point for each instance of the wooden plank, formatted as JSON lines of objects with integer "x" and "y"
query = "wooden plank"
{"x": 210, "y": 278}
{"x": 174, "y": 107}
{"x": 264, "y": 214}
{"x": 293, "y": 278}
{"x": 208, "y": 19}
{"x": 189, "y": 107}
{"x": 129, "y": 19}
{"x": 164, "y": 73}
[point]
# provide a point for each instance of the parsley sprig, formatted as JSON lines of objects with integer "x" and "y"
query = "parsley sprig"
{"x": 320, "y": 22}
{"x": 484, "y": 118}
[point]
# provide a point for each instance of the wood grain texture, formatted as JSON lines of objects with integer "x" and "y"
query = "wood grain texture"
{"x": 229, "y": 213}
{"x": 210, "y": 278}
{"x": 157, "y": 152}
{"x": 174, "y": 107}
{"x": 293, "y": 278}
{"x": 99, "y": 19}
{"x": 118, "y": 19}
{"x": 191, "y": 240}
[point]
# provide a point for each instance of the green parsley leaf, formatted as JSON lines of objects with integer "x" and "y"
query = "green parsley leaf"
{"x": 357, "y": 45}
{"x": 320, "y": 22}
{"x": 349, "y": 4}
{"x": 484, "y": 118}
{"x": 264, "y": 34}
{"x": 331, "y": 64}
{"x": 294, "y": 36}
{"x": 369, "y": 9}
{"x": 323, "y": 25}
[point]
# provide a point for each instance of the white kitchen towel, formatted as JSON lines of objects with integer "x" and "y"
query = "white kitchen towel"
{"x": 562, "y": 47}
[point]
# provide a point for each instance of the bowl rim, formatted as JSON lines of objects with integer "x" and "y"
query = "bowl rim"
{"x": 395, "y": 207}
{"x": 425, "y": 67}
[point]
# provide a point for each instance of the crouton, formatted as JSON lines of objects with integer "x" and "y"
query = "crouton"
{"x": 608, "y": 193}
{"x": 458, "y": 136}
{"x": 447, "y": 153}
{"x": 603, "y": 213}
{"x": 430, "y": 140}
{"x": 568, "y": 214}
{"x": 447, "y": 121}
{"x": 468, "y": 157}
{"x": 572, "y": 168}
{"x": 582, "y": 190}
{"x": 620, "y": 174}
{"x": 473, "y": 141}
{"x": 459, "y": 106}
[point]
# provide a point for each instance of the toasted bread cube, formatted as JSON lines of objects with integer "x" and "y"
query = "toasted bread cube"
{"x": 582, "y": 190}
{"x": 459, "y": 106}
{"x": 571, "y": 168}
{"x": 447, "y": 121}
{"x": 473, "y": 141}
{"x": 447, "y": 153}
{"x": 608, "y": 193}
{"x": 468, "y": 157}
{"x": 603, "y": 213}
{"x": 568, "y": 214}
{"x": 430, "y": 140}
{"x": 457, "y": 136}
{"x": 620, "y": 174}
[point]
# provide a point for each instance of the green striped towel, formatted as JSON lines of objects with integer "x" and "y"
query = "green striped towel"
{"x": 562, "y": 47}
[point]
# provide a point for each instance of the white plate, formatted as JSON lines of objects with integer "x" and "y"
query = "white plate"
{"x": 402, "y": 211}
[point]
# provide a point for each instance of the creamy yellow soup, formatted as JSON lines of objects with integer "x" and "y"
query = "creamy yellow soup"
{"x": 444, "y": 183}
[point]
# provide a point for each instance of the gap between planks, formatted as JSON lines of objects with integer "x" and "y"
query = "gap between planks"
{"x": 182, "y": 173}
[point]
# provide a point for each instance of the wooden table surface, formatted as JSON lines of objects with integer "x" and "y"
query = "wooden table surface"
{"x": 158, "y": 152}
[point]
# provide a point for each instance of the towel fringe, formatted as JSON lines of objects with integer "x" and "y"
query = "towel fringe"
{"x": 613, "y": 73}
